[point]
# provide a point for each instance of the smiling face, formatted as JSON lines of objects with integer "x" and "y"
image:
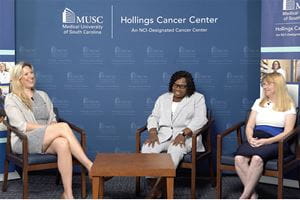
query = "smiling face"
{"x": 27, "y": 79}
{"x": 179, "y": 89}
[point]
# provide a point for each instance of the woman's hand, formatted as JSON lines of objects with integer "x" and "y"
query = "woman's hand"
{"x": 255, "y": 142}
{"x": 31, "y": 126}
{"x": 252, "y": 141}
{"x": 179, "y": 139}
{"x": 152, "y": 137}
{"x": 261, "y": 142}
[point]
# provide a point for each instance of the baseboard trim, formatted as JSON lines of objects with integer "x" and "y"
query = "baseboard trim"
{"x": 11, "y": 176}
{"x": 286, "y": 182}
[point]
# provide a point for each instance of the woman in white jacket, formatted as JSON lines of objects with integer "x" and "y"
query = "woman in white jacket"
{"x": 176, "y": 115}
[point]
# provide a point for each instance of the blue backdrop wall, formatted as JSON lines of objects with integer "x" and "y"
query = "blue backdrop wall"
{"x": 7, "y": 56}
{"x": 7, "y": 31}
{"x": 104, "y": 63}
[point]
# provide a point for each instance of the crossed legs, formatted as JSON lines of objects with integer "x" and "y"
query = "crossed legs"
{"x": 249, "y": 174}
{"x": 59, "y": 139}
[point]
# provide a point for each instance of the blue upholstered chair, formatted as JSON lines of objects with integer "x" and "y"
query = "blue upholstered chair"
{"x": 275, "y": 168}
{"x": 33, "y": 162}
{"x": 190, "y": 160}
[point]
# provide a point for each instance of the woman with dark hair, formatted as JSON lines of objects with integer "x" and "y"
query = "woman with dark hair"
{"x": 277, "y": 68}
{"x": 176, "y": 115}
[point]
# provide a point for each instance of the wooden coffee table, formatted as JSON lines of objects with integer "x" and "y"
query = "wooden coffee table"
{"x": 131, "y": 164}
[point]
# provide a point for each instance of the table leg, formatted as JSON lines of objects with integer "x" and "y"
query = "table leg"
{"x": 95, "y": 187}
{"x": 170, "y": 187}
{"x": 137, "y": 185}
{"x": 101, "y": 187}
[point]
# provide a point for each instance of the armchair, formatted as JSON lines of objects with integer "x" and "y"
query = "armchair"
{"x": 33, "y": 162}
{"x": 189, "y": 161}
{"x": 275, "y": 168}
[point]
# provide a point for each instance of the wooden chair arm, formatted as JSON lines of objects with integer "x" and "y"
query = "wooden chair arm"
{"x": 22, "y": 136}
{"x": 77, "y": 130}
{"x": 204, "y": 128}
{"x": 138, "y": 133}
{"x": 288, "y": 137}
{"x": 237, "y": 127}
{"x": 72, "y": 126}
{"x": 291, "y": 135}
{"x": 231, "y": 130}
{"x": 141, "y": 130}
{"x": 201, "y": 131}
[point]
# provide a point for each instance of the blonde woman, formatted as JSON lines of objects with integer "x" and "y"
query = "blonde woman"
{"x": 31, "y": 112}
{"x": 272, "y": 118}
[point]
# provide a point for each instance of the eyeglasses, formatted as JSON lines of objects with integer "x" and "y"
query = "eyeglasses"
{"x": 263, "y": 84}
{"x": 175, "y": 85}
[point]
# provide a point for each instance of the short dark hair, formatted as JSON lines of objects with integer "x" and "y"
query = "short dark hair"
{"x": 190, "y": 89}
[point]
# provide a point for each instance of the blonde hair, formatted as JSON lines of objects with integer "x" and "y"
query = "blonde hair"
{"x": 283, "y": 100}
{"x": 16, "y": 86}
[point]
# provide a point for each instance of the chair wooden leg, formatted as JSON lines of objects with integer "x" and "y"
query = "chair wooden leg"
{"x": 83, "y": 182}
{"x": 137, "y": 185}
{"x": 280, "y": 187}
{"x": 5, "y": 176}
{"x": 193, "y": 183}
{"x": 298, "y": 177}
{"x": 211, "y": 171}
{"x": 25, "y": 183}
{"x": 58, "y": 178}
{"x": 219, "y": 184}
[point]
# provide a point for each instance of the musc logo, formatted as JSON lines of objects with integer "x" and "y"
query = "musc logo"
{"x": 290, "y": 5}
{"x": 69, "y": 16}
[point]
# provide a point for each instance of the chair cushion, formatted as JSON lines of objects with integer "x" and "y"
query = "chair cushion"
{"x": 271, "y": 164}
{"x": 40, "y": 158}
{"x": 187, "y": 157}
{"x": 227, "y": 159}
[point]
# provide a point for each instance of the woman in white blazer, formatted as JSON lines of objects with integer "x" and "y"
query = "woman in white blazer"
{"x": 177, "y": 114}
{"x": 31, "y": 112}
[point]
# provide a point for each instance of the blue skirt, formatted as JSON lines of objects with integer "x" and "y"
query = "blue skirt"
{"x": 266, "y": 152}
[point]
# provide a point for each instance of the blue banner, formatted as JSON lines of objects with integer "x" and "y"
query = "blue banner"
{"x": 280, "y": 29}
{"x": 280, "y": 43}
{"x": 104, "y": 63}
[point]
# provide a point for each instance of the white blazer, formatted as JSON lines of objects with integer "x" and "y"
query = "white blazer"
{"x": 19, "y": 114}
{"x": 190, "y": 113}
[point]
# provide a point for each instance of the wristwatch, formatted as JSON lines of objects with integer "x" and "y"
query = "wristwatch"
{"x": 182, "y": 133}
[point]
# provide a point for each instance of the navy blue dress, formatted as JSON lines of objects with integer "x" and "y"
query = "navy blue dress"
{"x": 266, "y": 152}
